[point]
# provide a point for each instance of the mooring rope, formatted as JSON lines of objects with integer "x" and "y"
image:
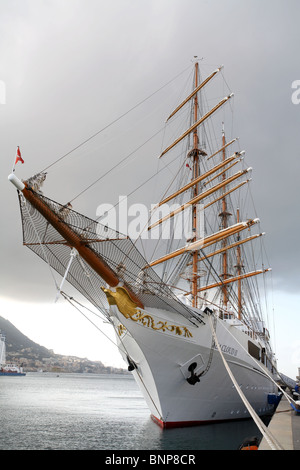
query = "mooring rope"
{"x": 273, "y": 443}
{"x": 289, "y": 399}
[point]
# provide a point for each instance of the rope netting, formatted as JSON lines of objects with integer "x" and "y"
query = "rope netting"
{"x": 117, "y": 250}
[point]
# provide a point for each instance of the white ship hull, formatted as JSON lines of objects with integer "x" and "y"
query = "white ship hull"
{"x": 162, "y": 358}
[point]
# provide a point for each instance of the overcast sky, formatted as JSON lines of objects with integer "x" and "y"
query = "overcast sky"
{"x": 70, "y": 67}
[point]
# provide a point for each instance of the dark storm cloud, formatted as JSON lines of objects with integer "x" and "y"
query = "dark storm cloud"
{"x": 71, "y": 67}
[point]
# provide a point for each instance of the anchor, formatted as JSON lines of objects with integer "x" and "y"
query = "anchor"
{"x": 131, "y": 364}
{"x": 194, "y": 378}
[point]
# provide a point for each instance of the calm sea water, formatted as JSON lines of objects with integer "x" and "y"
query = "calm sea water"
{"x": 95, "y": 412}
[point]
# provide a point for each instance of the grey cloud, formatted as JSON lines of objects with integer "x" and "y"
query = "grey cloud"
{"x": 71, "y": 67}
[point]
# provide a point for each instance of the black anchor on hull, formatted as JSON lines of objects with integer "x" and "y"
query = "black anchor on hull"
{"x": 194, "y": 378}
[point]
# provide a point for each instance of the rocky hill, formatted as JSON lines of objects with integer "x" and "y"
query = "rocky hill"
{"x": 21, "y": 350}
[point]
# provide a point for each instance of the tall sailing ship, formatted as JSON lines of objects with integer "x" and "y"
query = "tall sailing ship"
{"x": 180, "y": 315}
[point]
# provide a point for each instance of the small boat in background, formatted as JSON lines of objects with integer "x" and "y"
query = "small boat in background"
{"x": 11, "y": 369}
{"x": 250, "y": 443}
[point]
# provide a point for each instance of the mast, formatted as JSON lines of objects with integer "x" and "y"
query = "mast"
{"x": 224, "y": 223}
{"x": 239, "y": 271}
{"x": 195, "y": 194}
{"x": 202, "y": 186}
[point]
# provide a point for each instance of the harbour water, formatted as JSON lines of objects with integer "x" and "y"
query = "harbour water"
{"x": 44, "y": 411}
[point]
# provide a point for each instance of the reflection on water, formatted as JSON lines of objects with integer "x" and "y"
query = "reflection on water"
{"x": 77, "y": 411}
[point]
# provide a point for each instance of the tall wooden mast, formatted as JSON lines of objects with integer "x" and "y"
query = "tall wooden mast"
{"x": 195, "y": 193}
{"x": 202, "y": 193}
{"x": 224, "y": 223}
{"x": 239, "y": 271}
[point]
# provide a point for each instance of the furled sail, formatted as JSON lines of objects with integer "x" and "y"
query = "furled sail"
{"x": 200, "y": 178}
{"x": 207, "y": 241}
{"x": 195, "y": 91}
{"x": 201, "y": 196}
{"x": 197, "y": 124}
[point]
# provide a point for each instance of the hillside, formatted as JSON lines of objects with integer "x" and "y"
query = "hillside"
{"x": 17, "y": 343}
{"x": 22, "y": 350}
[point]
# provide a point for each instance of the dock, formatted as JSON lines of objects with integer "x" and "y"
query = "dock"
{"x": 284, "y": 426}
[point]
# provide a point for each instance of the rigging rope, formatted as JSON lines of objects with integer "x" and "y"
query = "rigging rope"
{"x": 115, "y": 120}
{"x": 39, "y": 240}
{"x": 124, "y": 350}
{"x": 70, "y": 299}
{"x": 115, "y": 166}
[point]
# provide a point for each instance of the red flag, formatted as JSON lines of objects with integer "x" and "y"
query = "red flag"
{"x": 18, "y": 157}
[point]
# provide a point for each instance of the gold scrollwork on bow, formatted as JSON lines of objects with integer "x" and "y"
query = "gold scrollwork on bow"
{"x": 129, "y": 309}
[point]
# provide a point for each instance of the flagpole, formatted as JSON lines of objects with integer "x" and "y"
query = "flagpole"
{"x": 15, "y": 161}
